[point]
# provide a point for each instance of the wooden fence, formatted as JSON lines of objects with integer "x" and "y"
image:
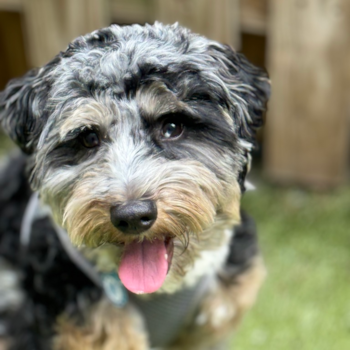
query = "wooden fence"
{"x": 307, "y": 133}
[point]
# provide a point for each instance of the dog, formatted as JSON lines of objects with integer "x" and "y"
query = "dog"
{"x": 121, "y": 224}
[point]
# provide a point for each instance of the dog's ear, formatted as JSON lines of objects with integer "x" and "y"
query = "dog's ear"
{"x": 21, "y": 107}
{"x": 248, "y": 86}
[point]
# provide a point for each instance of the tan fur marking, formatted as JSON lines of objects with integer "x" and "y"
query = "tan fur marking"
{"x": 92, "y": 113}
{"x": 156, "y": 99}
{"x": 105, "y": 328}
{"x": 232, "y": 202}
{"x": 223, "y": 309}
{"x": 248, "y": 285}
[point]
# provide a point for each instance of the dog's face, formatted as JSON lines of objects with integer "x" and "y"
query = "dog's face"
{"x": 139, "y": 138}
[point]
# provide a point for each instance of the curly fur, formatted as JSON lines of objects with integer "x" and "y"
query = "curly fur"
{"x": 122, "y": 83}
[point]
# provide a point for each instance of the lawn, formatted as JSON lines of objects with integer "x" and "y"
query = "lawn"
{"x": 305, "y": 302}
{"x": 5, "y": 144}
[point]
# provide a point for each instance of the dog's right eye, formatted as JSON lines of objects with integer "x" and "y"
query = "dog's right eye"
{"x": 89, "y": 139}
{"x": 171, "y": 130}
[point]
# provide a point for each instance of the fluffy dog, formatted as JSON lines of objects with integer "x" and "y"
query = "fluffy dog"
{"x": 138, "y": 141}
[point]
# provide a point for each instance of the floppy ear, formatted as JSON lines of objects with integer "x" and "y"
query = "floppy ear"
{"x": 249, "y": 89}
{"x": 22, "y": 104}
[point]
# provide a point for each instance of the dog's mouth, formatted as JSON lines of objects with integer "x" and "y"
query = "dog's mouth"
{"x": 144, "y": 265}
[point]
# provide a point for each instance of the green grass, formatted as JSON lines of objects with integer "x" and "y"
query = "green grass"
{"x": 305, "y": 301}
{"x": 5, "y": 144}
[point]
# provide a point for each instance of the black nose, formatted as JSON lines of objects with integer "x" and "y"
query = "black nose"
{"x": 134, "y": 217}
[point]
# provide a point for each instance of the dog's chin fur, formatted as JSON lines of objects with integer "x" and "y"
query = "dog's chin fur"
{"x": 203, "y": 255}
{"x": 123, "y": 87}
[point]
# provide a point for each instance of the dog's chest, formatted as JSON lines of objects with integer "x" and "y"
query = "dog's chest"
{"x": 165, "y": 315}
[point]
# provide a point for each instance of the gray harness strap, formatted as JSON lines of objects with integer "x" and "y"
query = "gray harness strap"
{"x": 34, "y": 211}
{"x": 166, "y": 314}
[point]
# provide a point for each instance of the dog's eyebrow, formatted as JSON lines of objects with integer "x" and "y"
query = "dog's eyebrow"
{"x": 72, "y": 134}
{"x": 156, "y": 99}
{"x": 90, "y": 115}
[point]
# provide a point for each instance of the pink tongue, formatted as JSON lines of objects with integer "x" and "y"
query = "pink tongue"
{"x": 144, "y": 266}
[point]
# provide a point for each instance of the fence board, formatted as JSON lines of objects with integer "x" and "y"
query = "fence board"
{"x": 216, "y": 19}
{"x": 51, "y": 24}
{"x": 307, "y": 131}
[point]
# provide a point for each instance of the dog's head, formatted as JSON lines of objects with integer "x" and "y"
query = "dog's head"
{"x": 139, "y": 138}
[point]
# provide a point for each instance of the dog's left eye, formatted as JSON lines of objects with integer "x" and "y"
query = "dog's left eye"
{"x": 90, "y": 139}
{"x": 172, "y": 130}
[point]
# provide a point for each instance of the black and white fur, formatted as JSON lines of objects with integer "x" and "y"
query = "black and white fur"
{"x": 123, "y": 85}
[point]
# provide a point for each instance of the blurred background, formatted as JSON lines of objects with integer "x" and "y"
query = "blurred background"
{"x": 301, "y": 170}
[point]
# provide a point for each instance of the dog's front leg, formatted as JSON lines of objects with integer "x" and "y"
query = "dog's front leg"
{"x": 104, "y": 327}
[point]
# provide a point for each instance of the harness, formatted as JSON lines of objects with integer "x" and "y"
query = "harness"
{"x": 165, "y": 315}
